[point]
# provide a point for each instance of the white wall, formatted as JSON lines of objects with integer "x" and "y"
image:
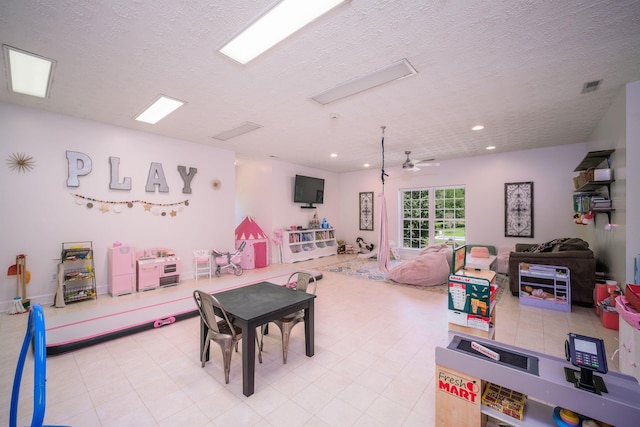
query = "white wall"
{"x": 620, "y": 129}
{"x": 551, "y": 170}
{"x": 39, "y": 213}
{"x": 265, "y": 192}
{"x": 611, "y": 134}
{"x": 633, "y": 178}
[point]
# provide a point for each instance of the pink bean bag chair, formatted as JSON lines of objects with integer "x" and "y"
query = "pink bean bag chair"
{"x": 430, "y": 268}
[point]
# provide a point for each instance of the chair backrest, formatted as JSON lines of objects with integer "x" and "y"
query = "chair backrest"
{"x": 205, "y": 303}
{"x": 300, "y": 281}
{"x": 201, "y": 253}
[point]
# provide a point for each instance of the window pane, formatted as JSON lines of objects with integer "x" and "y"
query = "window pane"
{"x": 446, "y": 205}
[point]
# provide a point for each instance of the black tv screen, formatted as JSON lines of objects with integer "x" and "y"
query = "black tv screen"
{"x": 308, "y": 190}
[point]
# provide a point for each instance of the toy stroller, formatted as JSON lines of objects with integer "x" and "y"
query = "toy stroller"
{"x": 226, "y": 260}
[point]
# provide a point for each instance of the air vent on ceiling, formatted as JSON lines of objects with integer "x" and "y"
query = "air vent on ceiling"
{"x": 591, "y": 86}
{"x": 237, "y": 131}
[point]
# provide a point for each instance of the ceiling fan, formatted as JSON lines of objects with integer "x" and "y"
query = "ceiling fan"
{"x": 414, "y": 164}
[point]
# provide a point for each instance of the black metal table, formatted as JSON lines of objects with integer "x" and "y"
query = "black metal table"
{"x": 255, "y": 305}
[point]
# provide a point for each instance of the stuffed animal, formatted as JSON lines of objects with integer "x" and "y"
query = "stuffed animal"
{"x": 363, "y": 247}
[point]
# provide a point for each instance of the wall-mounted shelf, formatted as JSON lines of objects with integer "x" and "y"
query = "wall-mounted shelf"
{"x": 593, "y": 186}
{"x": 583, "y": 193}
{"x": 593, "y": 159}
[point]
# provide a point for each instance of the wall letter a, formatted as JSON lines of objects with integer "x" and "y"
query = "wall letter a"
{"x": 156, "y": 177}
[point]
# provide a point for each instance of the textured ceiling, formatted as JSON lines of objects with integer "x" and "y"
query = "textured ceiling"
{"x": 517, "y": 67}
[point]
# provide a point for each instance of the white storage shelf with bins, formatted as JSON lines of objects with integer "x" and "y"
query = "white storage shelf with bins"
{"x": 302, "y": 245}
{"x": 546, "y": 286}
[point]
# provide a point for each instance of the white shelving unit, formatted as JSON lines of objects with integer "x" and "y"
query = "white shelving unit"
{"x": 546, "y": 286}
{"x": 302, "y": 245}
{"x": 629, "y": 349}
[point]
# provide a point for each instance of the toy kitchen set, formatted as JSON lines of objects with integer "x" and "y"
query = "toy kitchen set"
{"x": 131, "y": 271}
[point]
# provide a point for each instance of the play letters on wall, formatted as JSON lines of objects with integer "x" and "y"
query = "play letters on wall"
{"x": 79, "y": 164}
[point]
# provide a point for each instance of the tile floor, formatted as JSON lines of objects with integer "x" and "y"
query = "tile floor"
{"x": 373, "y": 363}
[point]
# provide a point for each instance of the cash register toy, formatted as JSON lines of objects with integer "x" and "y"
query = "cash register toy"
{"x": 588, "y": 354}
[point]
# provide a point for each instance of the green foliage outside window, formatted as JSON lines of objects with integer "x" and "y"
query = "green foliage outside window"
{"x": 433, "y": 215}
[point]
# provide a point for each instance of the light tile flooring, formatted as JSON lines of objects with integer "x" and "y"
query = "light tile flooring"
{"x": 373, "y": 363}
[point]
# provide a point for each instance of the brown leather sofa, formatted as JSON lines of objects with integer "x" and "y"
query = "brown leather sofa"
{"x": 573, "y": 254}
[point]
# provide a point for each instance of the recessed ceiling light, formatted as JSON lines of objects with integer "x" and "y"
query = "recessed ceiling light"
{"x": 334, "y": 155}
{"x": 389, "y": 73}
{"x": 28, "y": 73}
{"x": 366, "y": 165}
{"x": 159, "y": 109}
{"x": 491, "y": 147}
{"x": 243, "y": 128}
{"x": 478, "y": 127}
{"x": 275, "y": 25}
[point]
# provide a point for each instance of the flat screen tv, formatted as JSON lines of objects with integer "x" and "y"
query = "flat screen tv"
{"x": 308, "y": 190}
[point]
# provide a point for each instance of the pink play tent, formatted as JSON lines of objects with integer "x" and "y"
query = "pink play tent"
{"x": 254, "y": 254}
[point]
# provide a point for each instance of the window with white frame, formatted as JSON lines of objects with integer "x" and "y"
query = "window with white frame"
{"x": 432, "y": 215}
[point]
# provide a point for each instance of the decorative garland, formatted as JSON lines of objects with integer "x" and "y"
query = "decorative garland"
{"x": 116, "y": 206}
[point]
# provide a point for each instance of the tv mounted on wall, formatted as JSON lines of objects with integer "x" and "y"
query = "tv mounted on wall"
{"x": 308, "y": 190}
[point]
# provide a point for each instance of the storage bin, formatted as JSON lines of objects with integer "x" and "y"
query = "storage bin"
{"x": 609, "y": 319}
{"x": 603, "y": 175}
{"x": 628, "y": 312}
{"x": 632, "y": 294}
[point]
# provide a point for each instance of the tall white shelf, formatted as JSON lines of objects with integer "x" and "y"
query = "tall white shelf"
{"x": 302, "y": 245}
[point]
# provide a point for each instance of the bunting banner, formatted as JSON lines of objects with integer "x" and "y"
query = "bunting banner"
{"x": 157, "y": 209}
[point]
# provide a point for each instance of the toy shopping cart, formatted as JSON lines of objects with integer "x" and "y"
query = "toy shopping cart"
{"x": 227, "y": 260}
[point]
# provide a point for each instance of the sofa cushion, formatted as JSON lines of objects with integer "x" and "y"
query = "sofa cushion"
{"x": 479, "y": 252}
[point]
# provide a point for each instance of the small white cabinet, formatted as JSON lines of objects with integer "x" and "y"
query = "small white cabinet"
{"x": 546, "y": 286}
{"x": 629, "y": 349}
{"x": 302, "y": 245}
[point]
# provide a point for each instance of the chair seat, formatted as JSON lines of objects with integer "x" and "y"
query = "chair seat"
{"x": 293, "y": 316}
{"x": 224, "y": 328}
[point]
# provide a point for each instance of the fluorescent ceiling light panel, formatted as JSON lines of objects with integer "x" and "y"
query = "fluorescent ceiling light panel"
{"x": 389, "y": 73}
{"x": 277, "y": 24}
{"x": 245, "y": 127}
{"x": 28, "y": 73}
{"x": 161, "y": 107}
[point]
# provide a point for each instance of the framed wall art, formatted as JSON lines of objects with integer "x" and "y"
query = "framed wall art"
{"x": 366, "y": 211}
{"x": 518, "y": 209}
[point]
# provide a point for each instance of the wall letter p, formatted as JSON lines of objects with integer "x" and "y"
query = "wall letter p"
{"x": 79, "y": 165}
